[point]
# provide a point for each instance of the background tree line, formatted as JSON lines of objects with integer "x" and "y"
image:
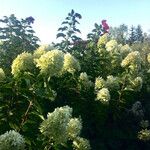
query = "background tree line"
{"x": 129, "y": 35}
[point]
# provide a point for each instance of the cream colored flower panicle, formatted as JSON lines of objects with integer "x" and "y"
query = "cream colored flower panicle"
{"x": 99, "y": 83}
{"x": 103, "y": 95}
{"x": 39, "y": 52}
{"x": 23, "y": 63}
{"x": 42, "y": 50}
{"x": 103, "y": 40}
{"x": 81, "y": 144}
{"x": 125, "y": 49}
{"x": 148, "y": 57}
{"x": 70, "y": 64}
{"x": 144, "y": 135}
{"x": 83, "y": 76}
{"x": 111, "y": 45}
{"x": 12, "y": 140}
{"x": 2, "y": 75}
{"x": 84, "y": 80}
{"x": 132, "y": 58}
{"x": 55, "y": 126}
{"x": 51, "y": 63}
{"x": 137, "y": 83}
{"x": 74, "y": 128}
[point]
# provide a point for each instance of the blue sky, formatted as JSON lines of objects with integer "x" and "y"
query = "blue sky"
{"x": 49, "y": 14}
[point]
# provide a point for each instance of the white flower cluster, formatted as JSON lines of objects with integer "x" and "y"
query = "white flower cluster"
{"x": 55, "y": 62}
{"x": 74, "y": 128}
{"x": 60, "y": 126}
{"x": 51, "y": 63}
{"x": 102, "y": 88}
{"x": 111, "y": 45}
{"x": 148, "y": 57}
{"x": 99, "y": 83}
{"x": 144, "y": 135}
{"x": 2, "y": 75}
{"x": 103, "y": 40}
{"x": 81, "y": 144}
{"x": 70, "y": 64}
{"x": 55, "y": 126}
{"x": 40, "y": 51}
{"x": 132, "y": 60}
{"x": 103, "y": 95}
{"x": 137, "y": 83}
{"x": 12, "y": 140}
{"x": 23, "y": 63}
{"x": 112, "y": 82}
{"x": 84, "y": 80}
{"x": 125, "y": 49}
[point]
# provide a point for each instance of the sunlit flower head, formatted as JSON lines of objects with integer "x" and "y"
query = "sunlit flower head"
{"x": 99, "y": 83}
{"x": 81, "y": 144}
{"x": 84, "y": 80}
{"x": 12, "y": 140}
{"x": 103, "y": 40}
{"x": 148, "y": 57}
{"x": 74, "y": 128}
{"x": 70, "y": 64}
{"x": 125, "y": 49}
{"x": 39, "y": 51}
{"x": 111, "y": 45}
{"x": 42, "y": 50}
{"x": 144, "y": 135}
{"x": 137, "y": 83}
{"x": 55, "y": 126}
{"x": 51, "y": 63}
{"x": 23, "y": 63}
{"x": 103, "y": 95}
{"x": 133, "y": 58}
{"x": 2, "y": 75}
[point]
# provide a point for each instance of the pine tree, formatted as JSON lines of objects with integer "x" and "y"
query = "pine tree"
{"x": 132, "y": 36}
{"x": 139, "y": 34}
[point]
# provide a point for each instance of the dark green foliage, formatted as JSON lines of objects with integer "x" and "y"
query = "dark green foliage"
{"x": 69, "y": 31}
{"x": 16, "y": 36}
{"x": 139, "y": 34}
{"x": 136, "y": 35}
{"x": 96, "y": 33}
{"x": 132, "y": 37}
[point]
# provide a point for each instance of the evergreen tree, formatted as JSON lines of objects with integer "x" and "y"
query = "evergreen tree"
{"x": 132, "y": 36}
{"x": 139, "y": 34}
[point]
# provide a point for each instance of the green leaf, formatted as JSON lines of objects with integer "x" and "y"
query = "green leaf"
{"x": 77, "y": 30}
{"x": 63, "y": 28}
{"x": 65, "y": 22}
{"x": 78, "y": 15}
{"x": 72, "y": 12}
{"x": 96, "y": 25}
{"x": 61, "y": 35}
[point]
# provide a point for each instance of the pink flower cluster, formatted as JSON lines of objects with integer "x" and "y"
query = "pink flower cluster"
{"x": 105, "y": 26}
